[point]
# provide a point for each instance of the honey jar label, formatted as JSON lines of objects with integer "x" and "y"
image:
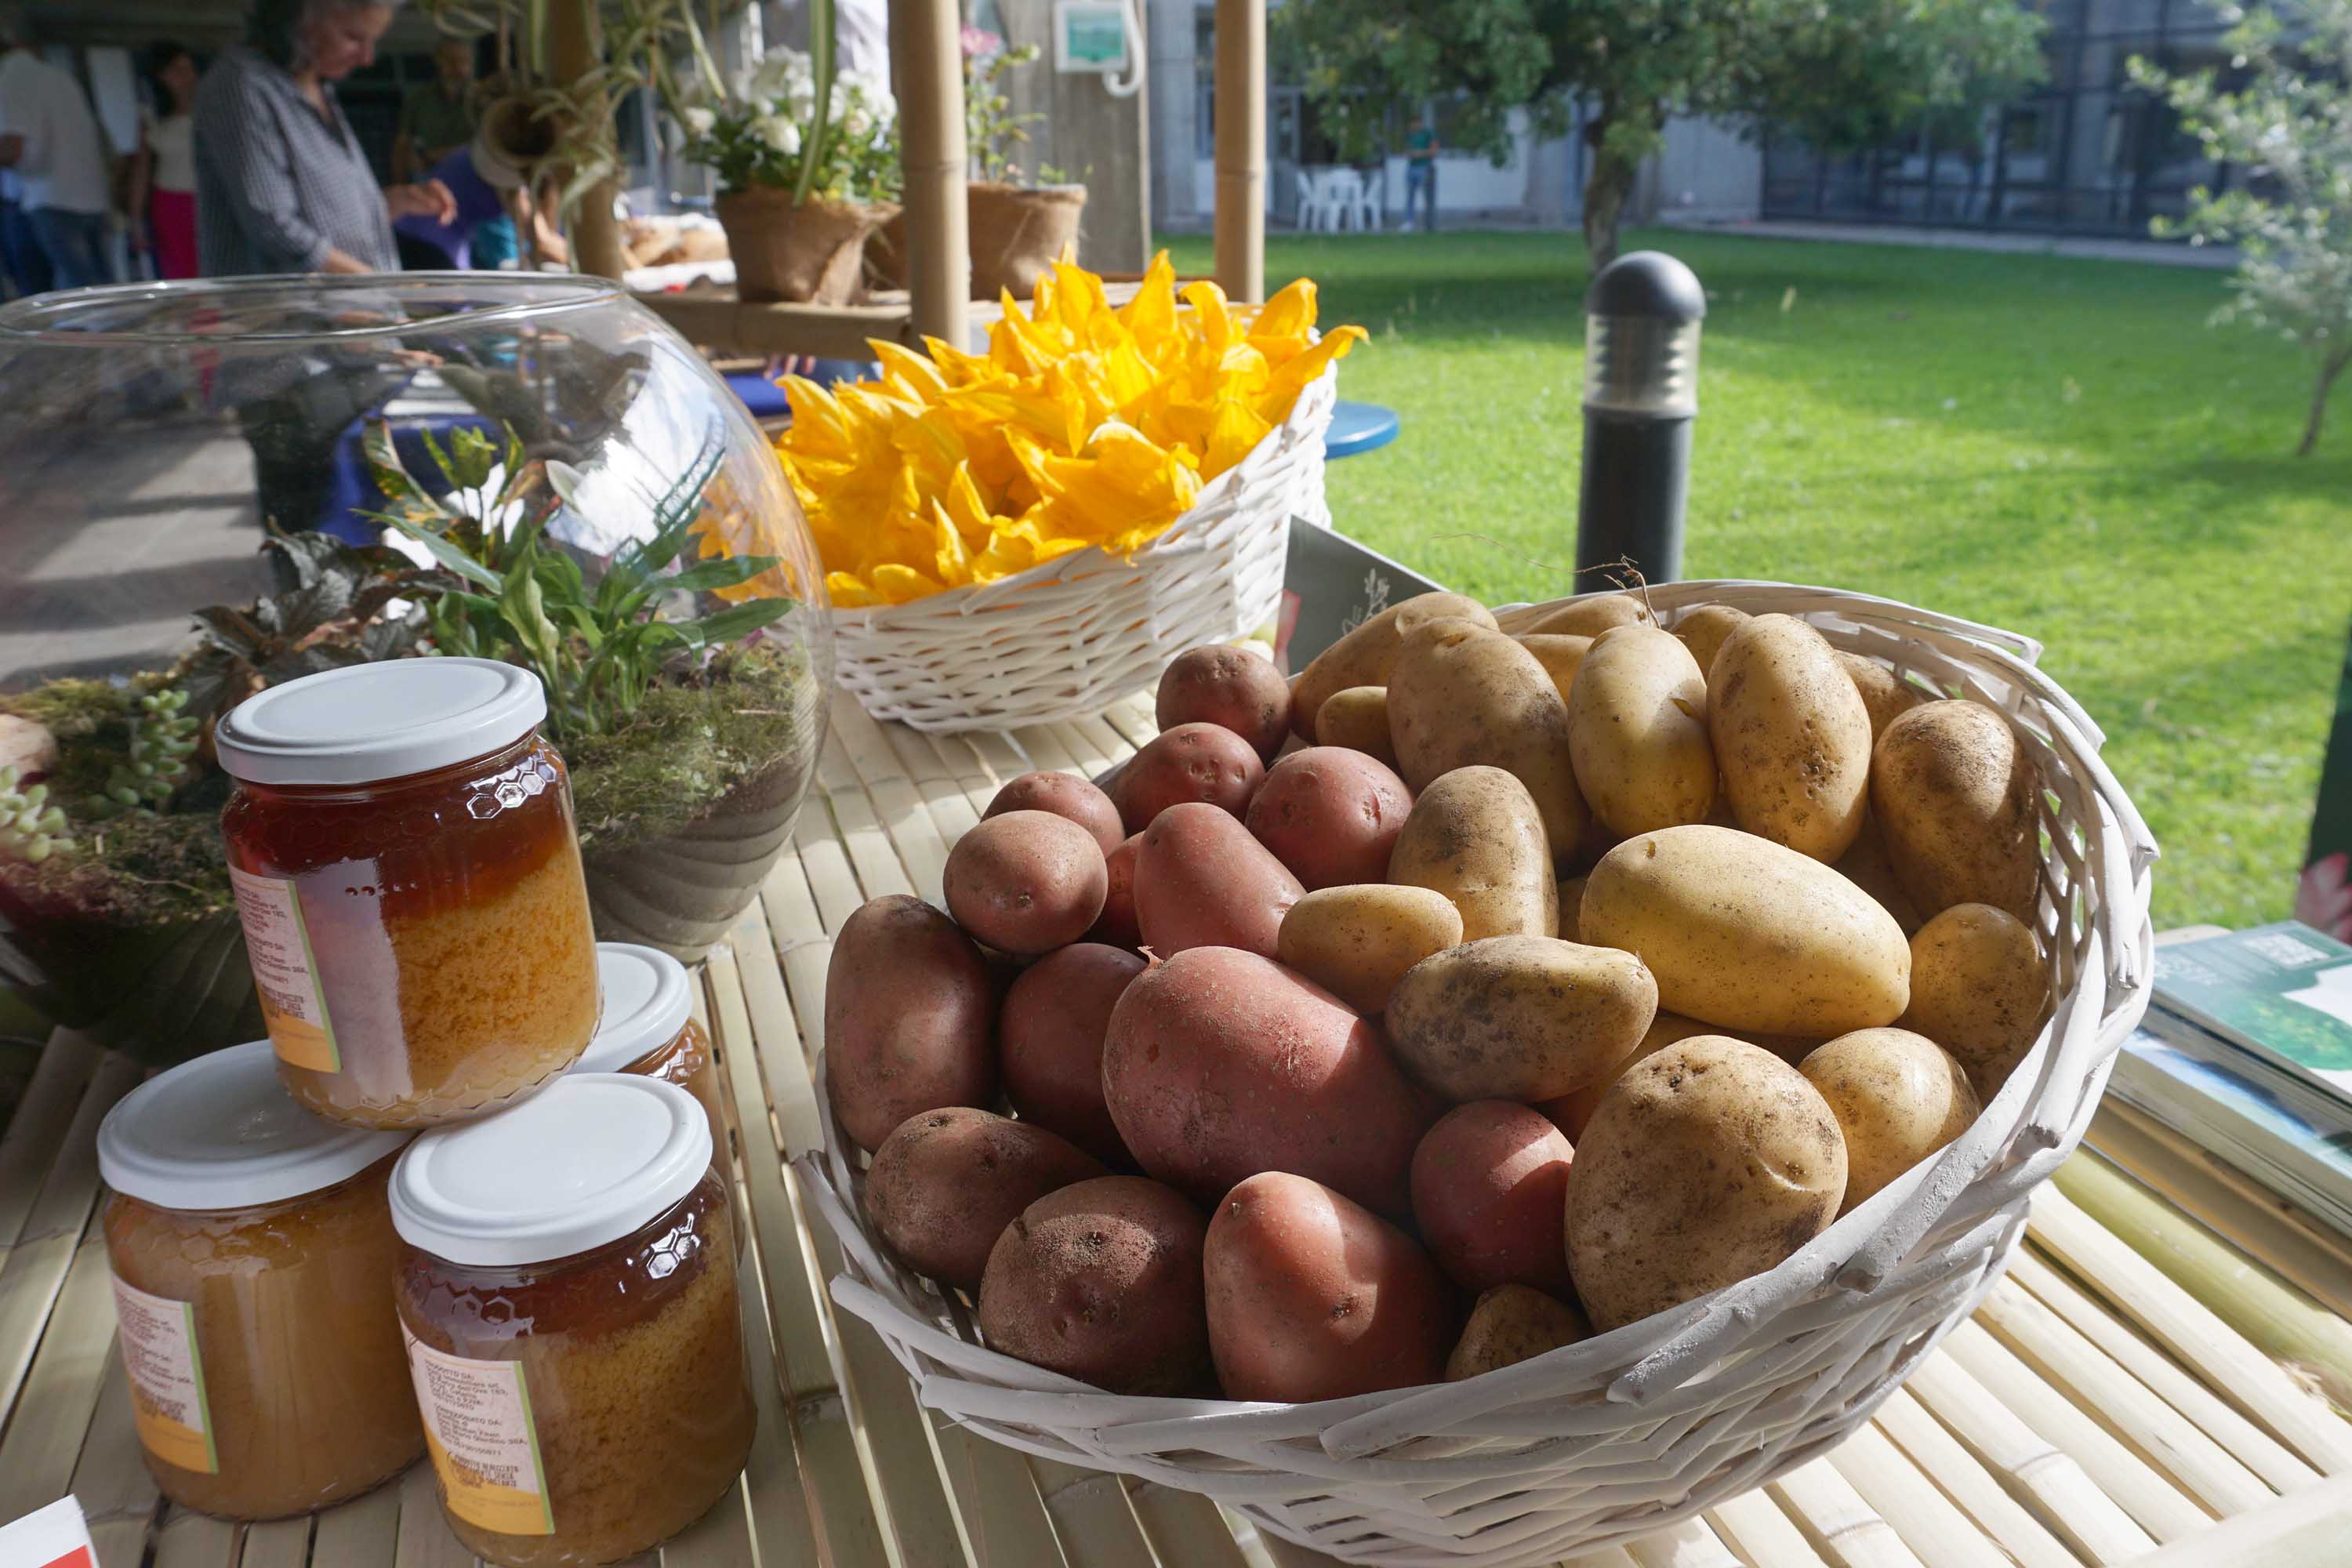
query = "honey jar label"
{"x": 278, "y": 944}
{"x": 167, "y": 1379}
{"x": 485, "y": 1448}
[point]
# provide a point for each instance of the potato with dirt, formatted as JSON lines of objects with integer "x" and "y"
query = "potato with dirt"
{"x": 909, "y": 1018}
{"x": 1026, "y": 882}
{"x": 1489, "y": 1181}
{"x": 1221, "y": 1064}
{"x": 1885, "y": 694}
{"x": 1064, "y": 795}
{"x": 1190, "y": 762}
{"x": 1560, "y": 655}
{"x": 1357, "y": 941}
{"x": 1358, "y": 718}
{"x": 1200, "y": 880}
{"x": 1590, "y": 616}
{"x": 1980, "y": 989}
{"x": 1103, "y": 1281}
{"x": 1050, "y": 1037}
{"x": 1899, "y": 1098}
{"x": 1638, "y": 736}
{"x": 947, "y": 1181}
{"x": 1510, "y": 1324}
{"x": 1570, "y": 1112}
{"x": 1711, "y": 1161}
{"x": 1235, "y": 688}
{"x": 1331, "y": 815}
{"x": 1702, "y": 629}
{"x": 1519, "y": 1017}
{"x": 1958, "y": 800}
{"x": 1365, "y": 656}
{"x": 1792, "y": 736}
{"x": 1476, "y": 836}
{"x": 1312, "y": 1296}
{"x": 1464, "y": 696}
{"x": 1747, "y": 935}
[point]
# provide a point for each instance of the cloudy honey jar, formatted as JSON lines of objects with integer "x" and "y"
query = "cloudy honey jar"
{"x": 567, "y": 1291}
{"x": 406, "y": 871}
{"x": 253, "y": 1253}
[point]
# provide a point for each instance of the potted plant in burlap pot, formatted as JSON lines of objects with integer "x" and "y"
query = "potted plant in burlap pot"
{"x": 807, "y": 170}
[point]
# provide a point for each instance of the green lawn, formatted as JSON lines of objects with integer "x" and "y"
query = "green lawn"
{"x": 2062, "y": 447}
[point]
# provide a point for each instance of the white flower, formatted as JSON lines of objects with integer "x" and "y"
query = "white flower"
{"x": 698, "y": 120}
{"x": 776, "y": 71}
{"x": 778, "y": 132}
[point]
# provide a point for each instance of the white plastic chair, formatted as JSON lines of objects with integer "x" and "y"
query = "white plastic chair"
{"x": 1363, "y": 203}
{"x": 1313, "y": 210}
{"x": 1344, "y": 191}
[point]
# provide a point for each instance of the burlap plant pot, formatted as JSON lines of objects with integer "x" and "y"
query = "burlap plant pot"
{"x": 808, "y": 253}
{"x": 1017, "y": 232}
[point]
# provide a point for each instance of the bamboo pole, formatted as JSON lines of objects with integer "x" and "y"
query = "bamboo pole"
{"x": 575, "y": 44}
{"x": 1241, "y": 148}
{"x": 928, "y": 60}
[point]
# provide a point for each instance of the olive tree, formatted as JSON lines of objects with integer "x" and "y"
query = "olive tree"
{"x": 1843, "y": 74}
{"x": 2288, "y": 132}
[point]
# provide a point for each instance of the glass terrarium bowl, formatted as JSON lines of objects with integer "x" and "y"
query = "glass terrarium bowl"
{"x": 210, "y": 488}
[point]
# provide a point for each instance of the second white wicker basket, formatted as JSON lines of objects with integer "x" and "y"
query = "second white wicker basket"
{"x": 1637, "y": 1429}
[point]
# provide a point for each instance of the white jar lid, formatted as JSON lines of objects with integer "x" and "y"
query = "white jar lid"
{"x": 383, "y": 721}
{"x": 219, "y": 1132}
{"x": 646, "y": 1004}
{"x": 585, "y": 1161}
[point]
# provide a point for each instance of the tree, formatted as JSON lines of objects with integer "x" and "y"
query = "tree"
{"x": 2289, "y": 131}
{"x": 1843, "y": 74}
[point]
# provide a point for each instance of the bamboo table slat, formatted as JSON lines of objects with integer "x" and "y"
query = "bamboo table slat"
{"x": 2092, "y": 1413}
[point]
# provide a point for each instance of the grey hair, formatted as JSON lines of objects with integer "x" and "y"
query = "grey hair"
{"x": 275, "y": 28}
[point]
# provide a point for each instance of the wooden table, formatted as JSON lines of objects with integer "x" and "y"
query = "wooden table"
{"x": 2091, "y": 1412}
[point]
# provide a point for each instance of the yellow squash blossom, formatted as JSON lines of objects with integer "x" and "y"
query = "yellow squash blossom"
{"x": 1082, "y": 426}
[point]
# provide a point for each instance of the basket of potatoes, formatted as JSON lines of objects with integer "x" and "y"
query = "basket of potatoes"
{"x": 1532, "y": 1077}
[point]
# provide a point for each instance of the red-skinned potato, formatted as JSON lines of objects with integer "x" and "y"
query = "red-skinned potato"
{"x": 1490, "y": 1182}
{"x": 1235, "y": 688}
{"x": 1026, "y": 882}
{"x": 1050, "y": 1038}
{"x": 1064, "y": 795}
{"x": 1221, "y": 1064}
{"x": 1117, "y": 925}
{"x": 1200, "y": 880}
{"x": 1102, "y": 1282}
{"x": 1330, "y": 814}
{"x": 1190, "y": 762}
{"x": 909, "y": 1018}
{"x": 1312, "y": 1296}
{"x": 946, "y": 1181}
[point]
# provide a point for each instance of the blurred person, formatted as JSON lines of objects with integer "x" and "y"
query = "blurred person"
{"x": 1421, "y": 171}
{"x": 49, "y": 143}
{"x": 282, "y": 185}
{"x": 494, "y": 205}
{"x": 437, "y": 117}
{"x": 22, "y": 262}
{"x": 164, "y": 169}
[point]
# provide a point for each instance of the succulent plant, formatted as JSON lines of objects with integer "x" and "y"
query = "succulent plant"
{"x": 162, "y": 753}
{"x": 31, "y": 829}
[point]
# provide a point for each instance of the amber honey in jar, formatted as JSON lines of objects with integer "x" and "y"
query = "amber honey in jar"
{"x": 647, "y": 1027}
{"x": 253, "y": 1255}
{"x": 567, "y": 1289}
{"x": 402, "y": 847}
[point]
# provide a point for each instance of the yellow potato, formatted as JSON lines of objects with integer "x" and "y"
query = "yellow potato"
{"x": 1364, "y": 656}
{"x": 1591, "y": 617}
{"x": 1705, "y": 1162}
{"x": 1570, "y": 1112}
{"x": 1866, "y": 867}
{"x": 1957, "y": 797}
{"x": 1356, "y": 718}
{"x": 1637, "y": 726}
{"x": 1357, "y": 941}
{"x": 1703, "y": 628}
{"x": 1885, "y": 694}
{"x": 1513, "y": 1323}
{"x": 1979, "y": 988}
{"x": 1791, "y": 734}
{"x": 1476, "y": 837}
{"x": 1461, "y": 695}
{"x": 1571, "y": 895}
{"x": 1519, "y": 1017}
{"x": 1898, "y": 1097}
{"x": 1747, "y": 935}
{"x": 1559, "y": 654}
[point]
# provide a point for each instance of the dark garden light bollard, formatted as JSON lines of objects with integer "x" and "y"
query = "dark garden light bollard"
{"x": 1642, "y": 322}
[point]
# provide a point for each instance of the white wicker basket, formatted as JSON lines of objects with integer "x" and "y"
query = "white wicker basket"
{"x": 1647, "y": 1425}
{"x": 1066, "y": 639}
